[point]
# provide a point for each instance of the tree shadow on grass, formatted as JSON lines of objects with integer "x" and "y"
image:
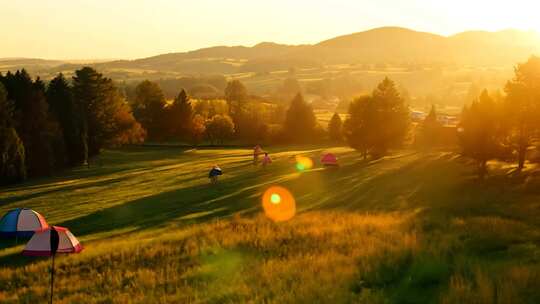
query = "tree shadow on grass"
{"x": 197, "y": 203}
{"x": 112, "y": 162}
{"x": 23, "y": 197}
{"x": 436, "y": 184}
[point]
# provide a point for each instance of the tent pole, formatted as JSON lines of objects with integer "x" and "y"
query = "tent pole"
{"x": 52, "y": 280}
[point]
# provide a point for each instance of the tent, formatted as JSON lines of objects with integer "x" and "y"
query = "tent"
{"x": 40, "y": 243}
{"x": 215, "y": 172}
{"x": 329, "y": 159}
{"x": 49, "y": 242}
{"x": 21, "y": 222}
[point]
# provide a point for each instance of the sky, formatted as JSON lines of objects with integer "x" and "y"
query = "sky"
{"x": 128, "y": 29}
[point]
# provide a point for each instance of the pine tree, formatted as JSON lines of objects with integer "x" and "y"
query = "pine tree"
{"x": 33, "y": 125}
{"x": 523, "y": 107}
{"x": 391, "y": 116}
{"x": 107, "y": 116}
{"x": 70, "y": 117}
{"x": 12, "y": 155}
{"x": 479, "y": 130}
{"x": 334, "y": 128}
{"x": 300, "y": 121}
{"x": 180, "y": 115}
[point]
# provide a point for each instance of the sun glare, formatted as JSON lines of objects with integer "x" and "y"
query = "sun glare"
{"x": 303, "y": 163}
{"x": 275, "y": 198}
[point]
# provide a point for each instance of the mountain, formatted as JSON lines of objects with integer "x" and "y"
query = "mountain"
{"x": 388, "y": 45}
{"x": 381, "y": 45}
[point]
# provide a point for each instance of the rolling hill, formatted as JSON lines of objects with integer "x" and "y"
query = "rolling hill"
{"x": 381, "y": 45}
{"x": 391, "y": 45}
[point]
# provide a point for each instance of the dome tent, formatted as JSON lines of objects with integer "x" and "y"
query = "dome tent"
{"x": 21, "y": 222}
{"x": 329, "y": 159}
{"x": 40, "y": 243}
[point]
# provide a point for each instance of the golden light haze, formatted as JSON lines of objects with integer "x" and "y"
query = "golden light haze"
{"x": 79, "y": 29}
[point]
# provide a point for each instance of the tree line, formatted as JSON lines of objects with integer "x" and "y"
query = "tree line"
{"x": 66, "y": 122}
{"x": 238, "y": 117}
{"x": 44, "y": 128}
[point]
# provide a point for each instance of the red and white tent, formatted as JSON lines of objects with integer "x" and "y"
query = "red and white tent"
{"x": 40, "y": 243}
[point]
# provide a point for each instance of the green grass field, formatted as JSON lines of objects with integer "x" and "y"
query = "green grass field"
{"x": 409, "y": 228}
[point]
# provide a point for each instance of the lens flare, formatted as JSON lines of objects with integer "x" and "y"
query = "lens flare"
{"x": 278, "y": 204}
{"x": 275, "y": 198}
{"x": 303, "y": 163}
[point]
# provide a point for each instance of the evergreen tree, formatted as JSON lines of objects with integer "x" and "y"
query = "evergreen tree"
{"x": 335, "y": 128}
{"x": 479, "y": 131}
{"x": 39, "y": 134}
{"x": 107, "y": 116}
{"x": 149, "y": 109}
{"x": 69, "y": 115}
{"x": 12, "y": 156}
{"x": 391, "y": 117}
{"x": 180, "y": 115}
{"x": 523, "y": 107}
{"x": 300, "y": 121}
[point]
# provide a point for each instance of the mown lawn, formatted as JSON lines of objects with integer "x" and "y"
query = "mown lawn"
{"x": 409, "y": 228}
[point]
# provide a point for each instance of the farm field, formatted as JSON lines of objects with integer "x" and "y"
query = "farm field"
{"x": 408, "y": 228}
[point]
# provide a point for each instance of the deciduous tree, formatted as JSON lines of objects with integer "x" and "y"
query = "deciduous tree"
{"x": 149, "y": 109}
{"x": 219, "y": 128}
{"x": 359, "y": 128}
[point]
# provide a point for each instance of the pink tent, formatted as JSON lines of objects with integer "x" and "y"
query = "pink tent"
{"x": 329, "y": 159}
{"x": 40, "y": 243}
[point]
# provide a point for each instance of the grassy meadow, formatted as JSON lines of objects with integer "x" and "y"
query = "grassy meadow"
{"x": 413, "y": 227}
